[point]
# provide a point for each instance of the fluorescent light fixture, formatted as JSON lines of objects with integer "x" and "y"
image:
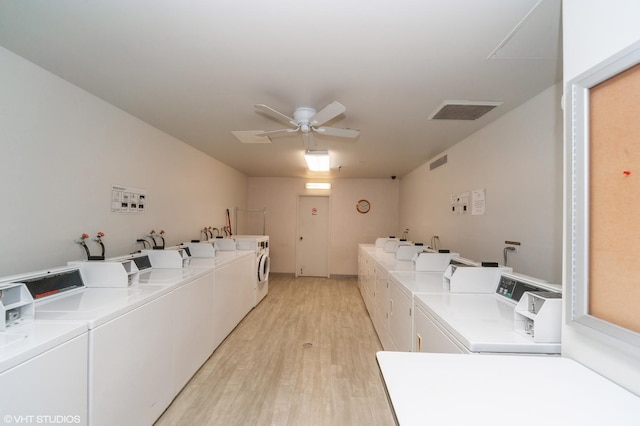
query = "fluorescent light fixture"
{"x": 317, "y": 185}
{"x": 317, "y": 161}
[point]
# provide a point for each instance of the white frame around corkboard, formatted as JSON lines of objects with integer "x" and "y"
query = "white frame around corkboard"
{"x": 603, "y": 198}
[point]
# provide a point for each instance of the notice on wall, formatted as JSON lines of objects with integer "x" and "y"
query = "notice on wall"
{"x": 478, "y": 202}
{"x": 460, "y": 203}
{"x": 128, "y": 200}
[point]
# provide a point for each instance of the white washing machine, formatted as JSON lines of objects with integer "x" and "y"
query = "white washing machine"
{"x": 234, "y": 288}
{"x": 129, "y": 343}
{"x": 259, "y": 244}
{"x": 480, "y": 323}
{"x": 43, "y": 369}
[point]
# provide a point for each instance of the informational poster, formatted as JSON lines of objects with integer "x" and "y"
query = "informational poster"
{"x": 128, "y": 200}
{"x": 460, "y": 203}
{"x": 478, "y": 202}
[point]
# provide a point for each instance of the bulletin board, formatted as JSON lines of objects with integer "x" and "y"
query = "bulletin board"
{"x": 614, "y": 200}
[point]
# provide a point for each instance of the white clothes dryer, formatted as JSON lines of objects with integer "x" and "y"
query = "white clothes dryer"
{"x": 260, "y": 245}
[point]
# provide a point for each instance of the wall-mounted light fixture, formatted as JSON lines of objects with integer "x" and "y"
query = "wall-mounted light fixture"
{"x": 317, "y": 185}
{"x": 317, "y": 161}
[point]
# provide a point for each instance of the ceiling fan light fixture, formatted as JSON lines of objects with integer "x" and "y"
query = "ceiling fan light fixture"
{"x": 318, "y": 161}
{"x": 306, "y": 121}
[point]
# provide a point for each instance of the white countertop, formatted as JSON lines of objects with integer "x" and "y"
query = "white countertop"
{"x": 452, "y": 389}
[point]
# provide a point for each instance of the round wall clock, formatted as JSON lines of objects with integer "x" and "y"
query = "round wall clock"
{"x": 363, "y": 206}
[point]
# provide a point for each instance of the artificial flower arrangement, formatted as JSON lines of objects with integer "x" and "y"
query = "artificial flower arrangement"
{"x": 160, "y": 235}
{"x": 98, "y": 239}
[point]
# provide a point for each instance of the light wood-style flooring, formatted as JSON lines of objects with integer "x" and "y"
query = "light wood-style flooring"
{"x": 304, "y": 356}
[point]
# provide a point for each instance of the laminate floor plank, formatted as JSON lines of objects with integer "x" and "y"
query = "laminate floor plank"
{"x": 304, "y": 356}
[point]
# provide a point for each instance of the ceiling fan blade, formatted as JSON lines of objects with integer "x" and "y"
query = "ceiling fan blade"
{"x": 332, "y": 110}
{"x": 341, "y": 133}
{"x": 276, "y": 133}
{"x": 275, "y": 114}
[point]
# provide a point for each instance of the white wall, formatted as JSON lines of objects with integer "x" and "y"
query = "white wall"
{"x": 594, "y": 31}
{"x": 517, "y": 159}
{"x": 348, "y": 227}
{"x": 63, "y": 149}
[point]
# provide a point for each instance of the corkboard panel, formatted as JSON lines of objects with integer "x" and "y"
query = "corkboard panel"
{"x": 614, "y": 191}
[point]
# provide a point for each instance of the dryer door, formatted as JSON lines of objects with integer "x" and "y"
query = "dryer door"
{"x": 263, "y": 267}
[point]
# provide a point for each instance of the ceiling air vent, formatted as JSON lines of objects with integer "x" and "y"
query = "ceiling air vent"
{"x": 249, "y": 136}
{"x": 437, "y": 163}
{"x": 463, "y": 110}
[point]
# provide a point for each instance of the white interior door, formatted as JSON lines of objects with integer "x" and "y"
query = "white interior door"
{"x": 312, "y": 245}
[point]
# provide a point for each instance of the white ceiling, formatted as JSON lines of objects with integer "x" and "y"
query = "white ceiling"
{"x": 195, "y": 69}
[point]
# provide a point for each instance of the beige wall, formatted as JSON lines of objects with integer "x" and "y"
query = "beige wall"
{"x": 517, "y": 160}
{"x": 63, "y": 149}
{"x": 348, "y": 227}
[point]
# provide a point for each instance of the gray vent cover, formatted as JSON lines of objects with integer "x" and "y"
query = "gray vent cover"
{"x": 463, "y": 110}
{"x": 249, "y": 136}
{"x": 439, "y": 162}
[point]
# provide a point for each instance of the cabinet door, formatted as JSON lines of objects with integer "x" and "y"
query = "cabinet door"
{"x": 400, "y": 317}
{"x": 130, "y": 380}
{"x": 430, "y": 338}
{"x": 193, "y": 328}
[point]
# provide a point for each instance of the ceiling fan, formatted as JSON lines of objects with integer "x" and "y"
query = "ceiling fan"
{"x": 307, "y": 121}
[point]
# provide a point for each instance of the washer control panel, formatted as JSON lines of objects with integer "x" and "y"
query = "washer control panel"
{"x": 513, "y": 289}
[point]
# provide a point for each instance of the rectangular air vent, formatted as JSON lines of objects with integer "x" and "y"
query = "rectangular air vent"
{"x": 463, "y": 110}
{"x": 439, "y": 162}
{"x": 249, "y": 136}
